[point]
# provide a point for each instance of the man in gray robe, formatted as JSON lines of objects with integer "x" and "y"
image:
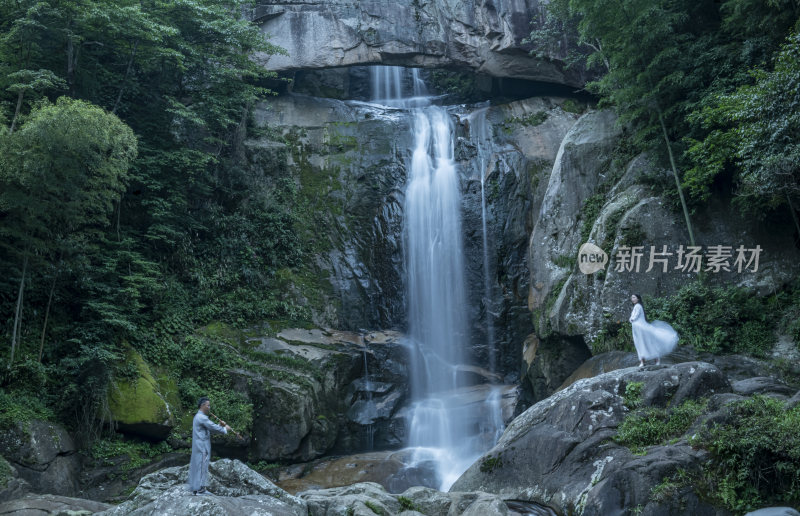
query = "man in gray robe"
{"x": 202, "y": 427}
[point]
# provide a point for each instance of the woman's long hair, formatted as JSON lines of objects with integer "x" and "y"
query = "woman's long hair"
{"x": 639, "y": 297}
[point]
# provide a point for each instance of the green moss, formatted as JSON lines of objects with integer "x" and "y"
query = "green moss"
{"x": 140, "y": 399}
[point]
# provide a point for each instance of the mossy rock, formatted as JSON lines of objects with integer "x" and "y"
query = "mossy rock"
{"x": 146, "y": 405}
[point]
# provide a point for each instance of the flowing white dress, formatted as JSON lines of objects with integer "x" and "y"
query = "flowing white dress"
{"x": 652, "y": 340}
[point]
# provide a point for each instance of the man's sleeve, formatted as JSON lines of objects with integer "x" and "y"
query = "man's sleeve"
{"x": 213, "y": 426}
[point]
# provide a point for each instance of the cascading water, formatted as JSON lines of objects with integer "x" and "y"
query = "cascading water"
{"x": 447, "y": 422}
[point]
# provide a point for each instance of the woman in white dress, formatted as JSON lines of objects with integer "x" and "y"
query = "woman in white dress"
{"x": 652, "y": 340}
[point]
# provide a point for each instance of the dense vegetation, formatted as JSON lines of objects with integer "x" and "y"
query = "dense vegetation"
{"x": 128, "y": 216}
{"x": 716, "y": 319}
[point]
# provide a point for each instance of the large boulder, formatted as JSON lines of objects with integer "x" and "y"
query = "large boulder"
{"x": 44, "y": 455}
{"x": 485, "y": 37}
{"x": 559, "y": 453}
{"x": 237, "y": 490}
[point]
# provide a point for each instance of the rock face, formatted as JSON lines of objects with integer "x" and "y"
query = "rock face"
{"x": 597, "y": 193}
{"x": 350, "y": 160}
{"x": 519, "y": 145}
{"x": 324, "y": 402}
{"x": 44, "y": 455}
{"x": 558, "y": 451}
{"x": 481, "y": 36}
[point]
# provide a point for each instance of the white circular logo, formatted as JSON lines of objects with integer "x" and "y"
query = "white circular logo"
{"x": 591, "y": 258}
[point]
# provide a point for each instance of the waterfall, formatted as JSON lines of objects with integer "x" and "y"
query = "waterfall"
{"x": 446, "y": 419}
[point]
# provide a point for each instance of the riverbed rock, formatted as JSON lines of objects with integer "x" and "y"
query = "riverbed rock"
{"x": 44, "y": 455}
{"x": 369, "y": 498}
{"x": 558, "y": 452}
{"x": 48, "y": 504}
{"x": 236, "y": 489}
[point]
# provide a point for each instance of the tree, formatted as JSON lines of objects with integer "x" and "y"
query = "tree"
{"x": 664, "y": 59}
{"x": 755, "y": 129}
{"x": 60, "y": 175}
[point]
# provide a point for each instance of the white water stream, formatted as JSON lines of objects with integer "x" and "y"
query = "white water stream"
{"x": 450, "y": 423}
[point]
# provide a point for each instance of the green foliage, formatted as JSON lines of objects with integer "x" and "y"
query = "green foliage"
{"x": 138, "y": 453}
{"x": 753, "y": 129}
{"x": 669, "y": 67}
{"x": 648, "y": 426}
{"x": 755, "y": 456}
{"x": 719, "y": 319}
{"x": 132, "y": 199}
{"x": 489, "y": 464}
{"x": 573, "y": 106}
{"x": 615, "y": 334}
{"x": 458, "y": 84}
{"x": 633, "y": 395}
{"x": 406, "y": 504}
{"x": 21, "y": 408}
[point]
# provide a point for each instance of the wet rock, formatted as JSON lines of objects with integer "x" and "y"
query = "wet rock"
{"x": 373, "y": 498}
{"x": 342, "y": 471}
{"x": 548, "y": 362}
{"x": 343, "y": 395}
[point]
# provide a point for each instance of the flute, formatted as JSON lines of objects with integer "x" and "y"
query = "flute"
{"x": 225, "y": 424}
